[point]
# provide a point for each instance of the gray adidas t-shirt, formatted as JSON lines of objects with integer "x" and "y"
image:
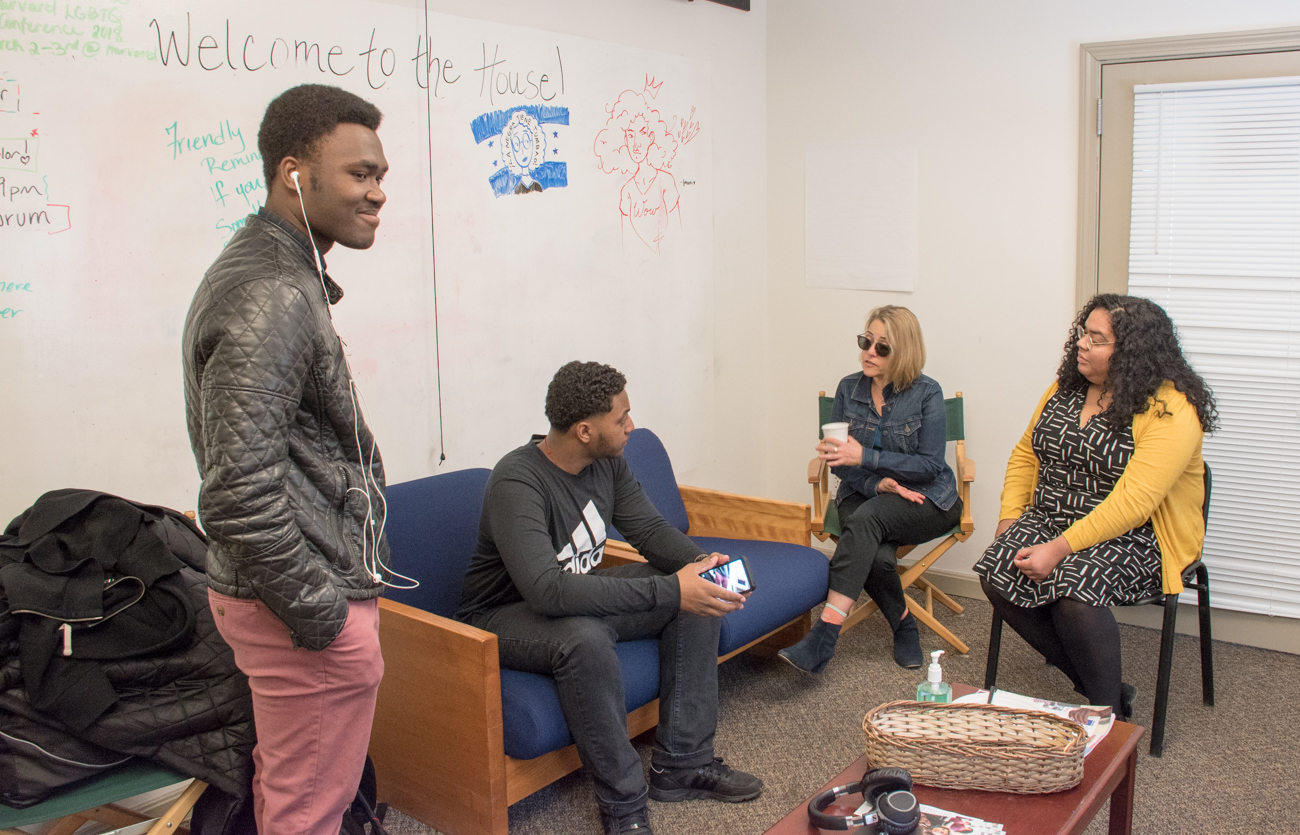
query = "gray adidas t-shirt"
{"x": 542, "y": 537}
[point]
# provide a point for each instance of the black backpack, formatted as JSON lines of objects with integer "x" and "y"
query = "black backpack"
{"x": 217, "y": 813}
{"x": 366, "y": 809}
{"x": 37, "y": 760}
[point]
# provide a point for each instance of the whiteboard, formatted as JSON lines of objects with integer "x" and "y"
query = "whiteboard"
{"x": 530, "y": 281}
{"x": 127, "y": 160}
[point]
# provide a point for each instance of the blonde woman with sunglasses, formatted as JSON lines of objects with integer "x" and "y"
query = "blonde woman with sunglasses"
{"x": 895, "y": 486}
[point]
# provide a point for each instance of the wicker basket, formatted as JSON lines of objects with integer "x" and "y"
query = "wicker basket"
{"x": 984, "y": 747}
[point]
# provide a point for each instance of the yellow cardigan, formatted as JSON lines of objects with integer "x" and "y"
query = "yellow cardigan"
{"x": 1164, "y": 482}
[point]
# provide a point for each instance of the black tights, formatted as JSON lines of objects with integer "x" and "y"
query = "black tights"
{"x": 1080, "y": 640}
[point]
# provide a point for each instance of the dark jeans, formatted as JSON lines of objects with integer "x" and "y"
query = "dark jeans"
{"x": 872, "y": 530}
{"x": 578, "y": 652}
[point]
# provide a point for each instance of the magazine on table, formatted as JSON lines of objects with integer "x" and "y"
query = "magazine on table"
{"x": 1097, "y": 721}
{"x": 935, "y": 822}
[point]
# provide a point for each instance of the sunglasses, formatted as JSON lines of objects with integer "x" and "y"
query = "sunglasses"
{"x": 865, "y": 341}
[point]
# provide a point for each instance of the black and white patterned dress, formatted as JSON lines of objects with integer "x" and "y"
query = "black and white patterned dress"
{"x": 1077, "y": 469}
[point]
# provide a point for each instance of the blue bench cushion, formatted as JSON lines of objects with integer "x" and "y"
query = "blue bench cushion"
{"x": 432, "y": 530}
{"x": 530, "y": 703}
{"x": 789, "y": 580}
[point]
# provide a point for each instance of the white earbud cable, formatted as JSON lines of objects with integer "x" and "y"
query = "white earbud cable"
{"x": 367, "y": 472}
{"x": 320, "y": 269}
{"x": 370, "y": 558}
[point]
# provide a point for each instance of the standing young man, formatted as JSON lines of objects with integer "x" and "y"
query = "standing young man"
{"x": 292, "y": 493}
{"x": 533, "y": 582}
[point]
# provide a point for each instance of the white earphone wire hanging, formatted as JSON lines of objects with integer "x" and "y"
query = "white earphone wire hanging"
{"x": 370, "y": 558}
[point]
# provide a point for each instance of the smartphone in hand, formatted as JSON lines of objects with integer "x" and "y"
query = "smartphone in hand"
{"x": 733, "y": 576}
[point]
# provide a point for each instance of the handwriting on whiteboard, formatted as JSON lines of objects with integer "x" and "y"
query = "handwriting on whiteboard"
{"x": 13, "y": 188}
{"x": 24, "y": 193}
{"x": 19, "y": 154}
{"x": 25, "y": 207}
{"x": 10, "y": 101}
{"x": 65, "y": 30}
{"x": 212, "y": 44}
{"x": 231, "y": 169}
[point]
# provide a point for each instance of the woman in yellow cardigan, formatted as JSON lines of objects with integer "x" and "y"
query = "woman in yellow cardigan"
{"x": 1102, "y": 500}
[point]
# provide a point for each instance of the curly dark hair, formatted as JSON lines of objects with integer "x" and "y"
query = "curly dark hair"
{"x": 1146, "y": 354}
{"x": 579, "y": 390}
{"x": 301, "y": 116}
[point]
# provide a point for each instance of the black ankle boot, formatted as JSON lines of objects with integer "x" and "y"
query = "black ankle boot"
{"x": 907, "y": 644}
{"x": 817, "y": 648}
{"x": 1127, "y": 695}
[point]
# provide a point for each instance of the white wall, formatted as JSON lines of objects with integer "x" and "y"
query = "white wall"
{"x": 735, "y": 44}
{"x": 989, "y": 94}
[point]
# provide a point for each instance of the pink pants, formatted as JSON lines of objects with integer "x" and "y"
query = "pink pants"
{"x": 313, "y": 712}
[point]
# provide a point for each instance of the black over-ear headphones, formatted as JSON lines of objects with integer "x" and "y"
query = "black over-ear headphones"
{"x": 889, "y": 793}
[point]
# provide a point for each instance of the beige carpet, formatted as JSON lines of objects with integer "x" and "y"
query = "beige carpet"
{"x": 1227, "y": 769}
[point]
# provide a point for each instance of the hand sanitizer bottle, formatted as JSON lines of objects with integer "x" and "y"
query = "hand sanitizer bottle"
{"x": 934, "y": 689}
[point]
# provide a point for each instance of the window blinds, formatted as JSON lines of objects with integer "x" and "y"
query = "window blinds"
{"x": 1215, "y": 240}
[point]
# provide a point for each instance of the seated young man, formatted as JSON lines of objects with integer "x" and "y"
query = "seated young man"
{"x": 534, "y": 582}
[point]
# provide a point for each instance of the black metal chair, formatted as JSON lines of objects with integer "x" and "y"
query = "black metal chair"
{"x": 1195, "y": 577}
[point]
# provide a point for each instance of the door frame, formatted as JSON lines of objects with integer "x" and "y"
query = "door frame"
{"x": 1094, "y": 56}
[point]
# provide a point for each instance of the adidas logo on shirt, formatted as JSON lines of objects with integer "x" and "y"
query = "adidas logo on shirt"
{"x": 587, "y": 547}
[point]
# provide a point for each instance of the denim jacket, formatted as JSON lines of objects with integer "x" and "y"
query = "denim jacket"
{"x": 913, "y": 439}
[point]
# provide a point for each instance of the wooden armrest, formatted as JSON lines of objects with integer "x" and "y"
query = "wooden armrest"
{"x": 715, "y": 513}
{"x": 966, "y": 474}
{"x": 437, "y": 737}
{"x": 815, "y": 470}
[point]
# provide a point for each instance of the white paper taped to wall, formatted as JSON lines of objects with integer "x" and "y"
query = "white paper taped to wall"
{"x": 860, "y": 216}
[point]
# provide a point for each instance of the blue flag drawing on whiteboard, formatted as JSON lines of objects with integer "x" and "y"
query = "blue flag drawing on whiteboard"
{"x": 525, "y": 148}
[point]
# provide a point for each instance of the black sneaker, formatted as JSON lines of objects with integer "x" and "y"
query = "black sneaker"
{"x": 714, "y": 781}
{"x": 633, "y": 823}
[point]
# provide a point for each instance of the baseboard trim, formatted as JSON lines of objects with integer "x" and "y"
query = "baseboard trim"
{"x": 1247, "y": 628}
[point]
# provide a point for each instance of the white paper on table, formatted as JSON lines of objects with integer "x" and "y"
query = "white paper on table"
{"x": 860, "y": 216}
{"x": 1097, "y": 721}
{"x": 966, "y": 825}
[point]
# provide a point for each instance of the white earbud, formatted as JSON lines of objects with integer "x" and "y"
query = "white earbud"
{"x": 296, "y": 184}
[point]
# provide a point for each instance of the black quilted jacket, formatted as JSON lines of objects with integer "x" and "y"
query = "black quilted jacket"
{"x": 145, "y": 670}
{"x": 279, "y": 438}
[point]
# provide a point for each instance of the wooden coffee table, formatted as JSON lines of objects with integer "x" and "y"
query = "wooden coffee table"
{"x": 1109, "y": 772}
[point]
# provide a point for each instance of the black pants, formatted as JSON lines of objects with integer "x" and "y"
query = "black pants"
{"x": 872, "y": 531}
{"x": 579, "y": 653}
{"x": 1079, "y": 639}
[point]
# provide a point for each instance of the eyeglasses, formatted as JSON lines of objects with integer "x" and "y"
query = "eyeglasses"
{"x": 1081, "y": 335}
{"x": 865, "y": 341}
